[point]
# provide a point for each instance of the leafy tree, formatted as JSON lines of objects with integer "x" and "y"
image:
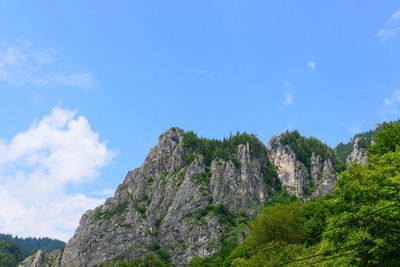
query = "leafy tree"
{"x": 10, "y": 254}
{"x": 223, "y": 149}
{"x": 362, "y": 191}
{"x": 357, "y": 225}
{"x": 278, "y": 223}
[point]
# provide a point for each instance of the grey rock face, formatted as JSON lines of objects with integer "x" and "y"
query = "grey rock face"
{"x": 173, "y": 206}
{"x": 358, "y": 154}
{"x": 162, "y": 206}
{"x": 294, "y": 175}
{"x": 41, "y": 259}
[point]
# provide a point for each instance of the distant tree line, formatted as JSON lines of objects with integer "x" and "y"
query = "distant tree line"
{"x": 18, "y": 248}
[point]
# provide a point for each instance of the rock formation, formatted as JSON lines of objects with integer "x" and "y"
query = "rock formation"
{"x": 358, "y": 153}
{"x": 178, "y": 204}
{"x": 170, "y": 207}
{"x": 299, "y": 180}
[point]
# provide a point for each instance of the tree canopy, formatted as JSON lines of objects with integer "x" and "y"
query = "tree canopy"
{"x": 356, "y": 225}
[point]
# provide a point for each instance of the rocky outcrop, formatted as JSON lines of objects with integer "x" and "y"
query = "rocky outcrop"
{"x": 170, "y": 206}
{"x": 299, "y": 180}
{"x": 179, "y": 204}
{"x": 358, "y": 154}
{"x": 41, "y": 259}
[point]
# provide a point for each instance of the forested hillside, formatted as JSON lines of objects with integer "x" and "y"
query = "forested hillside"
{"x": 343, "y": 150}
{"x": 10, "y": 254}
{"x": 236, "y": 202}
{"x": 356, "y": 225}
{"x": 29, "y": 245}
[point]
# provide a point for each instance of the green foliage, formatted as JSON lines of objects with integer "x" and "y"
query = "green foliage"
{"x": 158, "y": 222}
{"x": 357, "y": 225}
{"x": 140, "y": 209}
{"x": 274, "y": 255}
{"x": 121, "y": 208}
{"x": 203, "y": 177}
{"x": 270, "y": 175}
{"x": 160, "y": 252}
{"x": 149, "y": 260}
{"x": 278, "y": 223}
{"x": 225, "y": 217}
{"x": 30, "y": 244}
{"x": 308, "y": 187}
{"x": 304, "y": 147}
{"x": 220, "y": 258}
{"x": 10, "y": 254}
{"x": 281, "y": 197}
{"x": 387, "y": 140}
{"x": 149, "y": 180}
{"x": 361, "y": 190}
{"x": 315, "y": 213}
{"x": 225, "y": 149}
{"x": 342, "y": 151}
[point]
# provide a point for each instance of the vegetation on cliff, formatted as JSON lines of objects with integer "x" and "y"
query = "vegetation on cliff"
{"x": 225, "y": 149}
{"x": 343, "y": 150}
{"x": 356, "y": 225}
{"x": 305, "y": 147}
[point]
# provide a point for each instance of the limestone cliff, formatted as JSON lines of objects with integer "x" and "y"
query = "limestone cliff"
{"x": 188, "y": 195}
{"x": 177, "y": 205}
{"x": 358, "y": 154}
{"x": 303, "y": 181}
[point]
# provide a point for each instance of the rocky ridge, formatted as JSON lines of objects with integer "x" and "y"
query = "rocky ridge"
{"x": 303, "y": 182}
{"x": 358, "y": 154}
{"x": 179, "y": 204}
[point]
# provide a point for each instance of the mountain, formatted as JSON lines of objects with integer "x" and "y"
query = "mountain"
{"x": 355, "y": 149}
{"x": 29, "y": 245}
{"x": 357, "y": 224}
{"x": 191, "y": 194}
{"x": 306, "y": 167}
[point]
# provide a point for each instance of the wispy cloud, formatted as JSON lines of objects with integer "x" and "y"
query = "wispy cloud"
{"x": 391, "y": 105}
{"x": 357, "y": 127}
{"x": 21, "y": 64}
{"x": 36, "y": 167}
{"x": 391, "y": 28}
{"x": 288, "y": 99}
{"x": 311, "y": 65}
{"x": 84, "y": 80}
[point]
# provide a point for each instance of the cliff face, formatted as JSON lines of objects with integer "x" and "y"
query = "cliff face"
{"x": 179, "y": 203}
{"x": 170, "y": 207}
{"x": 358, "y": 154}
{"x": 303, "y": 182}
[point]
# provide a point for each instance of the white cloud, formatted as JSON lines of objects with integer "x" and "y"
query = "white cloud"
{"x": 394, "y": 99}
{"x": 21, "y": 65}
{"x": 391, "y": 106}
{"x": 288, "y": 99}
{"x": 391, "y": 28}
{"x": 311, "y": 65}
{"x": 36, "y": 167}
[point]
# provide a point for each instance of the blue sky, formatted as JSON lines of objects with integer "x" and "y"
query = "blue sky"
{"x": 117, "y": 74}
